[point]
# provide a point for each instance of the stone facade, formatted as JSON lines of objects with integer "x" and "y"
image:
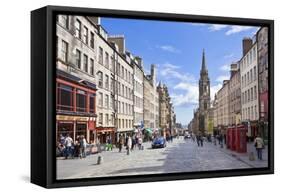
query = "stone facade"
{"x": 234, "y": 95}
{"x": 223, "y": 106}
{"x": 262, "y": 44}
{"x": 249, "y": 89}
{"x": 151, "y": 100}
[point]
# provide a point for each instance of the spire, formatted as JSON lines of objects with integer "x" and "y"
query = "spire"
{"x": 203, "y": 62}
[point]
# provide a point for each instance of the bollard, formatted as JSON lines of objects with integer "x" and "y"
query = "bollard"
{"x": 251, "y": 156}
{"x": 99, "y": 160}
{"x": 128, "y": 151}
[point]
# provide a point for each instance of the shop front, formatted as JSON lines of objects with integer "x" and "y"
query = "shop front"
{"x": 75, "y": 107}
{"x": 75, "y": 126}
{"x": 124, "y": 133}
{"x": 103, "y": 133}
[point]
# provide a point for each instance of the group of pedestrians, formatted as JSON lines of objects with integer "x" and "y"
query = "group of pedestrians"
{"x": 67, "y": 148}
{"x": 130, "y": 143}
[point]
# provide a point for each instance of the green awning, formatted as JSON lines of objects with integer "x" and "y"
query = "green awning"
{"x": 149, "y": 130}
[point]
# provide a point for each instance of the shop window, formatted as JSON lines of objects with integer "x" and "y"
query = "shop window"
{"x": 81, "y": 101}
{"x": 64, "y": 97}
{"x": 92, "y": 103}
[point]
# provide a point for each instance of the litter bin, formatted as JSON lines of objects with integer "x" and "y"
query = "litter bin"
{"x": 241, "y": 139}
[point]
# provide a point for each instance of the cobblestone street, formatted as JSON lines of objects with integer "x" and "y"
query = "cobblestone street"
{"x": 179, "y": 156}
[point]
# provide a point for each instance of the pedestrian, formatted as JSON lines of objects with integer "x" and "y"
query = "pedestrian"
{"x": 221, "y": 140}
{"x": 76, "y": 149}
{"x": 62, "y": 139}
{"x": 215, "y": 140}
{"x": 98, "y": 145}
{"x": 109, "y": 144}
{"x": 259, "y": 144}
{"x": 120, "y": 142}
{"x": 84, "y": 146}
{"x": 129, "y": 144}
{"x": 68, "y": 146}
{"x": 133, "y": 143}
{"x": 198, "y": 140}
{"x": 201, "y": 140}
{"x": 140, "y": 143}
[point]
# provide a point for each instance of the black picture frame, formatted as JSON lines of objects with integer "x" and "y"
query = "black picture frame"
{"x": 43, "y": 73}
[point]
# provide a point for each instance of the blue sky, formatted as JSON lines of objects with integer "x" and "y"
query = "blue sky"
{"x": 176, "y": 48}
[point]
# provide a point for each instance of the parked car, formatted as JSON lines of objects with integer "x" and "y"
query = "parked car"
{"x": 158, "y": 142}
{"x": 187, "y": 136}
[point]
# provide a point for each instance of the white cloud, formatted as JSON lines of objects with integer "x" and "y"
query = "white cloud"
{"x": 190, "y": 96}
{"x": 169, "y": 48}
{"x": 221, "y": 78}
{"x": 229, "y": 56}
{"x": 230, "y": 29}
{"x": 171, "y": 66}
{"x": 225, "y": 68}
{"x": 216, "y": 27}
{"x": 198, "y": 24}
{"x": 237, "y": 29}
{"x": 172, "y": 71}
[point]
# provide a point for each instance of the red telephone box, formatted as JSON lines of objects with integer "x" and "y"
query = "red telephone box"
{"x": 241, "y": 140}
{"x": 233, "y": 139}
{"x": 229, "y": 137}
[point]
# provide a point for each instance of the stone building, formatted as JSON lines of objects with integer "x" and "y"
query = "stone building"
{"x": 164, "y": 106}
{"x": 138, "y": 91}
{"x": 249, "y": 86}
{"x": 234, "y": 95}
{"x": 76, "y": 77}
{"x": 124, "y": 87}
{"x": 167, "y": 116}
{"x": 262, "y": 46}
{"x": 216, "y": 112}
{"x": 222, "y": 110}
{"x": 210, "y": 126}
{"x": 204, "y": 96}
{"x": 151, "y": 100}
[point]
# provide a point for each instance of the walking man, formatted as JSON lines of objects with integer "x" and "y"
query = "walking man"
{"x": 68, "y": 145}
{"x": 129, "y": 144}
{"x": 121, "y": 142}
{"x": 201, "y": 140}
{"x": 259, "y": 144}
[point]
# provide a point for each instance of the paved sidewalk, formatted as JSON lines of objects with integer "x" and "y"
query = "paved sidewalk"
{"x": 244, "y": 157}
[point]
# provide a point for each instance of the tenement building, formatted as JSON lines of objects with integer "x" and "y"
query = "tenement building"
{"x": 76, "y": 79}
{"x": 165, "y": 109}
{"x": 204, "y": 96}
{"x": 222, "y": 111}
{"x": 249, "y": 86}
{"x": 151, "y": 100}
{"x": 234, "y": 95}
{"x": 138, "y": 91}
{"x": 124, "y": 83}
{"x": 262, "y": 44}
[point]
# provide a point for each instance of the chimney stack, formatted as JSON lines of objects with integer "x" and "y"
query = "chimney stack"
{"x": 120, "y": 41}
{"x": 139, "y": 60}
{"x": 247, "y": 44}
{"x": 233, "y": 69}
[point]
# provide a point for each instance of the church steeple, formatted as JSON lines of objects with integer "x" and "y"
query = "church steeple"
{"x": 204, "y": 96}
{"x": 203, "y": 67}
